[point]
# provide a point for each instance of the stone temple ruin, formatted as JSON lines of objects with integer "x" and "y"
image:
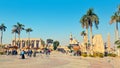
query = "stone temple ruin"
{"x": 98, "y": 44}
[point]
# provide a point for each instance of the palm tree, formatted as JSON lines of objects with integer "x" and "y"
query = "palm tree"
{"x": 19, "y": 28}
{"x": 49, "y": 42}
{"x": 83, "y": 33}
{"x": 55, "y": 44}
{"x": 116, "y": 19}
{"x": 2, "y": 29}
{"x": 28, "y": 30}
{"x": 14, "y": 30}
{"x": 87, "y": 21}
{"x": 118, "y": 45}
{"x": 84, "y": 23}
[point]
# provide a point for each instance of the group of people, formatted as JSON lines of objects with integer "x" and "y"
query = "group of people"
{"x": 29, "y": 52}
{"x": 33, "y": 53}
{"x": 11, "y": 52}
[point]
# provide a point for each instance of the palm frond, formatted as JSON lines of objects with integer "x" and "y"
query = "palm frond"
{"x": 3, "y": 27}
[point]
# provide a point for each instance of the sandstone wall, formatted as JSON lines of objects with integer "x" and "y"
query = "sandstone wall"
{"x": 98, "y": 44}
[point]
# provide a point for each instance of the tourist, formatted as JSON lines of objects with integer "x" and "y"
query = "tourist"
{"x": 41, "y": 54}
{"x": 47, "y": 52}
{"x": 22, "y": 54}
{"x": 19, "y": 53}
{"x": 30, "y": 53}
{"x": 7, "y": 52}
{"x": 34, "y": 53}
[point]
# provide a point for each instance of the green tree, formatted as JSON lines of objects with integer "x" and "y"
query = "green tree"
{"x": 83, "y": 33}
{"x": 84, "y": 24}
{"x": 2, "y": 29}
{"x": 87, "y": 21}
{"x": 55, "y": 44}
{"x": 116, "y": 19}
{"x": 69, "y": 47}
{"x": 117, "y": 43}
{"x": 19, "y": 28}
{"x": 14, "y": 30}
{"x": 28, "y": 30}
{"x": 49, "y": 41}
{"x": 43, "y": 43}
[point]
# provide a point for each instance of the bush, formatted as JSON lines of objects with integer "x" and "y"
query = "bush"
{"x": 101, "y": 55}
{"x": 112, "y": 55}
{"x": 84, "y": 55}
{"x": 1, "y": 53}
{"x": 91, "y": 55}
{"x": 94, "y": 54}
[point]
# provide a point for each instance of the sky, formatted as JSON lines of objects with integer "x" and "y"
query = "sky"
{"x": 56, "y": 19}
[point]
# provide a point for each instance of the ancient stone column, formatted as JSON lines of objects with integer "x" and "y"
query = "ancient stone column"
{"x": 35, "y": 43}
{"x": 108, "y": 43}
{"x": 98, "y": 44}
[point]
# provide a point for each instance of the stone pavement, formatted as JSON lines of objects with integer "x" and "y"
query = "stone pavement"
{"x": 58, "y": 60}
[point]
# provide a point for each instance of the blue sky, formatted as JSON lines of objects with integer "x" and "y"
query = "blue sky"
{"x": 55, "y": 19}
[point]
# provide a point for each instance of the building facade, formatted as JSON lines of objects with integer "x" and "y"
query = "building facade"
{"x": 24, "y": 42}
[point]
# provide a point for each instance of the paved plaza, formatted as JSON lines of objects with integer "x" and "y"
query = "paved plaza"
{"x": 58, "y": 60}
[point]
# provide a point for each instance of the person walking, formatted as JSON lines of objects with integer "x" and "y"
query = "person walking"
{"x": 7, "y": 52}
{"x": 30, "y": 53}
{"x": 22, "y": 54}
{"x": 34, "y": 53}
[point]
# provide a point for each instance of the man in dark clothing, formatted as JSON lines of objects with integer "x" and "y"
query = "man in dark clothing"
{"x": 22, "y": 54}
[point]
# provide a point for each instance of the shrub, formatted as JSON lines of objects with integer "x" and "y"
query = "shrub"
{"x": 91, "y": 55}
{"x": 95, "y": 54}
{"x": 1, "y": 53}
{"x": 112, "y": 55}
{"x": 101, "y": 55}
{"x": 84, "y": 55}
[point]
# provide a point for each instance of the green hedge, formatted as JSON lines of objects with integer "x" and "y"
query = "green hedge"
{"x": 97, "y": 54}
{"x": 1, "y": 53}
{"x": 101, "y": 55}
{"x": 84, "y": 54}
{"x": 112, "y": 55}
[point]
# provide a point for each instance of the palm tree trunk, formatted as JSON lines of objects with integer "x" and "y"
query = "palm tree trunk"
{"x": 117, "y": 33}
{"x": 19, "y": 40}
{"x": 87, "y": 40}
{"x": 15, "y": 39}
{"x": 91, "y": 43}
{"x": 1, "y": 36}
{"x": 19, "y": 37}
{"x": 91, "y": 35}
{"x": 87, "y": 35}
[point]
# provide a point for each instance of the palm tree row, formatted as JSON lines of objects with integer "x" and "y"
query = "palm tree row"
{"x": 88, "y": 20}
{"x": 17, "y": 30}
{"x": 2, "y": 29}
{"x": 90, "y": 17}
{"x": 116, "y": 19}
{"x": 28, "y": 30}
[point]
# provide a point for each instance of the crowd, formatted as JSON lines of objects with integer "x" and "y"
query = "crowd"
{"x": 28, "y": 53}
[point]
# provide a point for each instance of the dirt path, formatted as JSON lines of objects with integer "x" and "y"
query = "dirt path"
{"x": 58, "y": 60}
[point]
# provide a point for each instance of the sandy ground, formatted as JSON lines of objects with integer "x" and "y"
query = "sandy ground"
{"x": 58, "y": 60}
